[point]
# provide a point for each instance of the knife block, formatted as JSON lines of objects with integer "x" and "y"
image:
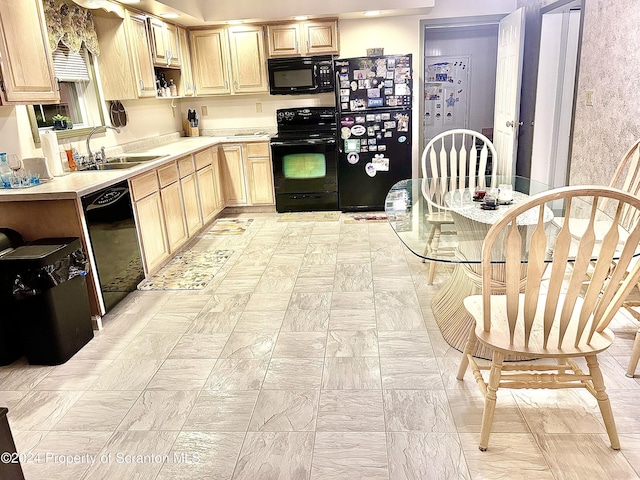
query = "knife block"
{"x": 190, "y": 131}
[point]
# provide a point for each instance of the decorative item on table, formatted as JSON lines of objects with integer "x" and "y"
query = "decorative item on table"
{"x": 479, "y": 193}
{"x": 489, "y": 203}
{"x": 505, "y": 194}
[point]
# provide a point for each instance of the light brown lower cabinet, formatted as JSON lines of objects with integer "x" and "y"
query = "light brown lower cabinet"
{"x": 217, "y": 177}
{"x": 174, "y": 216}
{"x": 208, "y": 195}
{"x": 191, "y": 203}
{"x": 233, "y": 175}
{"x": 174, "y": 202}
{"x": 259, "y": 174}
{"x": 246, "y": 173}
{"x": 151, "y": 230}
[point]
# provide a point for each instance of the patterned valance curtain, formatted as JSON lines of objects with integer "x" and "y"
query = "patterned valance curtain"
{"x": 70, "y": 24}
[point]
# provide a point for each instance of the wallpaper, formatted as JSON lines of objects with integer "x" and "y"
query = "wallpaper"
{"x": 609, "y": 66}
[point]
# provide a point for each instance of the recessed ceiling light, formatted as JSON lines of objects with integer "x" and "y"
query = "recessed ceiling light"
{"x": 301, "y": 17}
{"x": 235, "y": 22}
{"x": 169, "y": 15}
{"x": 371, "y": 13}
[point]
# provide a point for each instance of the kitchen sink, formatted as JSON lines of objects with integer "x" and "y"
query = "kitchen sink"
{"x": 119, "y": 162}
{"x": 132, "y": 158}
{"x": 110, "y": 166}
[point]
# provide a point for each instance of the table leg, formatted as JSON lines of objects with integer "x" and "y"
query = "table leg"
{"x": 448, "y": 308}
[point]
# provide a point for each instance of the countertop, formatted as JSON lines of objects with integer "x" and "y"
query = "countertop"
{"x": 77, "y": 184}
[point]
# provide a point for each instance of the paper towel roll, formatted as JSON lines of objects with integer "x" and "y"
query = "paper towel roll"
{"x": 49, "y": 141}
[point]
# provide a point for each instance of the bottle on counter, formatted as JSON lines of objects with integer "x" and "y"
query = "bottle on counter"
{"x": 5, "y": 171}
{"x": 70, "y": 160}
{"x": 77, "y": 159}
{"x": 172, "y": 88}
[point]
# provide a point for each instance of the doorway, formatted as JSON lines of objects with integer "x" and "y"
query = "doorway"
{"x": 555, "y": 93}
{"x": 458, "y": 77}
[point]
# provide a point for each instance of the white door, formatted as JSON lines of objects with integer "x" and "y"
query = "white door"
{"x": 508, "y": 79}
{"x": 559, "y": 45}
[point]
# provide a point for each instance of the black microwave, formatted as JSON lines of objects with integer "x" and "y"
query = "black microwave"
{"x": 299, "y": 75}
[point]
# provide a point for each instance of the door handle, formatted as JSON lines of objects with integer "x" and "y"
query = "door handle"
{"x": 512, "y": 124}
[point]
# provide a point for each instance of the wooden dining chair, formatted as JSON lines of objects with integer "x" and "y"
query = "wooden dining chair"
{"x": 631, "y": 304}
{"x": 455, "y": 159}
{"x": 627, "y": 178}
{"x": 562, "y": 320}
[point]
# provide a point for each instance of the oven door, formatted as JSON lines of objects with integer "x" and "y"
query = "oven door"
{"x": 305, "y": 174}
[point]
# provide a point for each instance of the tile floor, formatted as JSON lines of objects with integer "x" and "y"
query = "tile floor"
{"x": 313, "y": 354}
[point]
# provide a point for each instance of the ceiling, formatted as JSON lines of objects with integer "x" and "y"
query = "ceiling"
{"x": 202, "y": 12}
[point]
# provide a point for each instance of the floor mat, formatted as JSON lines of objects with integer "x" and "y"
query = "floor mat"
{"x": 364, "y": 217}
{"x": 190, "y": 270}
{"x": 309, "y": 217}
{"x": 227, "y": 226}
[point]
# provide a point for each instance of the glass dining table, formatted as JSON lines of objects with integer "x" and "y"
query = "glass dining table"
{"x": 409, "y": 207}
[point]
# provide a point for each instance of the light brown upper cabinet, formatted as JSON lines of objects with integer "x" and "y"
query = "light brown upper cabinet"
{"x": 26, "y": 68}
{"x": 186, "y": 82}
{"x": 305, "y": 38}
{"x": 228, "y": 60}
{"x": 126, "y": 69}
{"x": 248, "y": 64}
{"x": 165, "y": 43}
{"x": 210, "y": 61}
{"x": 141, "y": 55}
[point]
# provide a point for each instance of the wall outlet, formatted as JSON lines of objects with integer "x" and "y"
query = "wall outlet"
{"x": 205, "y": 111}
{"x": 590, "y": 96}
{"x": 258, "y": 107}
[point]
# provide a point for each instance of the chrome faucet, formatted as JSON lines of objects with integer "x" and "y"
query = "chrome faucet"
{"x": 94, "y": 158}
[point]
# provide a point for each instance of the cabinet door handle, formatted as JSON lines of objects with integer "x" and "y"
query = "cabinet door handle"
{"x": 141, "y": 85}
{"x": 307, "y": 46}
{"x": 235, "y": 85}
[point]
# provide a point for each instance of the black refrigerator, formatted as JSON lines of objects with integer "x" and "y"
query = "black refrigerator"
{"x": 373, "y": 95}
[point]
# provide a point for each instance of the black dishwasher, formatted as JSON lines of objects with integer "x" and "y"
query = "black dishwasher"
{"x": 112, "y": 228}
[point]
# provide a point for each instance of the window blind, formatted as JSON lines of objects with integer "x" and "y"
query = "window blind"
{"x": 69, "y": 66}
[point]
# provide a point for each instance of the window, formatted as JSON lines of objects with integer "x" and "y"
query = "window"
{"x": 71, "y": 96}
{"x": 79, "y": 97}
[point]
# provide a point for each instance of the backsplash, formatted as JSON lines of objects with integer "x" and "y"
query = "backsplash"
{"x": 144, "y": 144}
{"x": 236, "y": 132}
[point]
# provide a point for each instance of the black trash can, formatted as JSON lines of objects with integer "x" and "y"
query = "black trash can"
{"x": 10, "y": 468}
{"x": 10, "y": 345}
{"x": 50, "y": 299}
